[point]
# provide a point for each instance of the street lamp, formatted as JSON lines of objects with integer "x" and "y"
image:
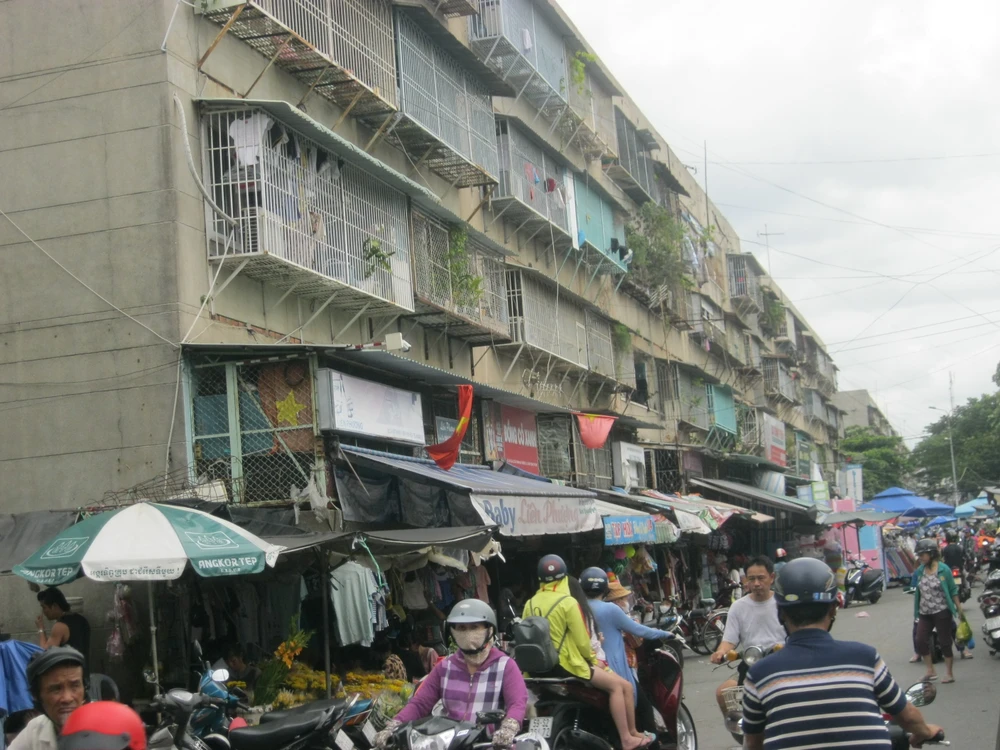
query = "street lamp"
{"x": 951, "y": 447}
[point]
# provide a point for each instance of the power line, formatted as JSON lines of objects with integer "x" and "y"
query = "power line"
{"x": 891, "y": 160}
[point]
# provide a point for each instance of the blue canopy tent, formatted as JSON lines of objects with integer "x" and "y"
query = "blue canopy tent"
{"x": 942, "y": 520}
{"x": 980, "y": 506}
{"x": 895, "y": 500}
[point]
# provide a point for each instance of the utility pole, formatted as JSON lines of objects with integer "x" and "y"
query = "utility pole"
{"x": 767, "y": 243}
{"x": 951, "y": 435}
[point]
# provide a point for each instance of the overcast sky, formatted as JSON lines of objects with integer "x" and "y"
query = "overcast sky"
{"x": 793, "y": 82}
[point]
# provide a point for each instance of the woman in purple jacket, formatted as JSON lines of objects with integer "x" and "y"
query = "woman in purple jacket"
{"x": 477, "y": 677}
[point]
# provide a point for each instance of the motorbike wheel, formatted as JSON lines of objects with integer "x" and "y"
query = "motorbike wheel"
{"x": 697, "y": 641}
{"x": 873, "y": 599}
{"x": 676, "y": 650}
{"x": 711, "y": 634}
{"x": 687, "y": 735}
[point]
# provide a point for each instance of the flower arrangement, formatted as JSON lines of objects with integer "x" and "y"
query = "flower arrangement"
{"x": 274, "y": 672}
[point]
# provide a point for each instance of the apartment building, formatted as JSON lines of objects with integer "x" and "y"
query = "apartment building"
{"x": 250, "y": 235}
{"x": 861, "y": 410}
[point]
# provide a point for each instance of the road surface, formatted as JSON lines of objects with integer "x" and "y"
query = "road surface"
{"x": 968, "y": 709}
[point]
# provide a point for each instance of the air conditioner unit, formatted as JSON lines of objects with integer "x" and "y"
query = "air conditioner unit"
{"x": 262, "y": 231}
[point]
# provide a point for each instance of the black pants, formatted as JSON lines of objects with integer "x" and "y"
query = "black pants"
{"x": 644, "y": 719}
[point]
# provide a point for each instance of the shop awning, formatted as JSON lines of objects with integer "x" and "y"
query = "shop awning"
{"x": 855, "y": 516}
{"x": 22, "y": 534}
{"x": 622, "y": 524}
{"x": 390, "y": 541}
{"x": 690, "y": 519}
{"x": 520, "y": 506}
{"x": 748, "y": 493}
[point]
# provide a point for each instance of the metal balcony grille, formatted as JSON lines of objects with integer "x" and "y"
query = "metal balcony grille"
{"x": 600, "y": 351}
{"x": 633, "y": 170}
{"x": 744, "y": 289}
{"x": 749, "y": 429}
{"x": 531, "y": 195}
{"x": 305, "y": 220}
{"x": 541, "y": 322}
{"x": 513, "y": 38}
{"x": 446, "y": 121}
{"x": 597, "y": 223}
{"x": 343, "y": 49}
{"x": 446, "y": 289}
{"x": 778, "y": 382}
{"x": 751, "y": 352}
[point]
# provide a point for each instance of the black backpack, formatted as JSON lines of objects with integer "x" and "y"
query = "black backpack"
{"x": 533, "y": 649}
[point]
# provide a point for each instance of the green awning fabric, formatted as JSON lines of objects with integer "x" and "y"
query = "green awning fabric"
{"x": 747, "y": 492}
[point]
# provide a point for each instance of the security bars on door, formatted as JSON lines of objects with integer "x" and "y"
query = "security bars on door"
{"x": 304, "y": 217}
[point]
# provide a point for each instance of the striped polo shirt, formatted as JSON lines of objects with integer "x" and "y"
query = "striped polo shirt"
{"x": 818, "y": 692}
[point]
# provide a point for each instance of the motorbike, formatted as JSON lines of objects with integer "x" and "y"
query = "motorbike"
{"x": 992, "y": 581}
{"x": 964, "y": 588}
{"x": 313, "y": 730}
{"x": 734, "y": 695}
{"x": 354, "y": 723}
{"x": 989, "y": 603}
{"x": 920, "y": 694}
{"x": 442, "y": 733}
{"x": 864, "y": 583}
{"x": 664, "y": 617}
{"x": 571, "y": 714}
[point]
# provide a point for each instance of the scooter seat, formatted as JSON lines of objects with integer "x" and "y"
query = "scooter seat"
{"x": 553, "y": 680}
{"x": 319, "y": 706}
{"x": 274, "y": 734}
{"x": 707, "y": 603}
{"x": 701, "y": 612}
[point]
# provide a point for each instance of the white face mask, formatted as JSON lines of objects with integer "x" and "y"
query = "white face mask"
{"x": 475, "y": 641}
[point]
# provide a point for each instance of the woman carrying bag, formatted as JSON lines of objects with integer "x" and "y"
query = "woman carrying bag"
{"x": 935, "y": 603}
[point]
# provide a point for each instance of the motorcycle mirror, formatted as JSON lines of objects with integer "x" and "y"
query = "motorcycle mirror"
{"x": 220, "y": 675}
{"x": 921, "y": 694}
{"x": 148, "y": 675}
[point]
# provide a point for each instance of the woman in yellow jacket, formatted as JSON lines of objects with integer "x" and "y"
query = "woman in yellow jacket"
{"x": 571, "y": 638}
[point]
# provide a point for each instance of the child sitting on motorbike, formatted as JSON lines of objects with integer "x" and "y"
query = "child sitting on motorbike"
{"x": 477, "y": 677}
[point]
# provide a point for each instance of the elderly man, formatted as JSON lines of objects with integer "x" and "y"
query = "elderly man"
{"x": 55, "y": 678}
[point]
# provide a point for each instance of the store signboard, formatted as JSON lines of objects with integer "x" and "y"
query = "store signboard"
{"x": 774, "y": 440}
{"x": 628, "y": 530}
{"x": 511, "y": 435}
{"x": 536, "y": 516}
{"x": 854, "y": 482}
{"x": 349, "y": 404}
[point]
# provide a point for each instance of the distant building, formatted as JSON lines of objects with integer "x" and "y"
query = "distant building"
{"x": 862, "y": 411}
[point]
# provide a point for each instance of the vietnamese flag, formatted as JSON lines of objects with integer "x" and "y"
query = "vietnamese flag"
{"x": 446, "y": 454}
{"x": 594, "y": 429}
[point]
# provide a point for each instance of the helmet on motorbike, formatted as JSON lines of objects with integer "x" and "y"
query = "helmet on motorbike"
{"x": 551, "y": 568}
{"x": 103, "y": 725}
{"x": 472, "y": 612}
{"x": 805, "y": 581}
{"x": 780, "y": 554}
{"x": 45, "y": 661}
{"x": 929, "y": 546}
{"x": 594, "y": 581}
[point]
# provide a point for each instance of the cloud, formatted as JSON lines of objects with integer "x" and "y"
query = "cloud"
{"x": 788, "y": 81}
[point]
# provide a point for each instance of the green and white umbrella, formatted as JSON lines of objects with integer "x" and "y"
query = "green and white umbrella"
{"x": 148, "y": 542}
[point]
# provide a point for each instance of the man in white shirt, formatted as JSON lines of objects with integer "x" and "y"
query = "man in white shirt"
{"x": 55, "y": 678}
{"x": 752, "y": 621}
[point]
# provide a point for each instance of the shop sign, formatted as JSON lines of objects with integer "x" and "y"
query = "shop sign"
{"x": 350, "y": 404}
{"x": 511, "y": 436}
{"x": 774, "y": 440}
{"x": 628, "y": 530}
{"x": 535, "y": 516}
{"x": 854, "y": 482}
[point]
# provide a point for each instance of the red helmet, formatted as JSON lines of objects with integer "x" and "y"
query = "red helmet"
{"x": 780, "y": 554}
{"x": 103, "y": 725}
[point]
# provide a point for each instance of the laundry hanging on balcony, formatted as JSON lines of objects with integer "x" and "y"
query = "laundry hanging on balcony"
{"x": 594, "y": 429}
{"x": 446, "y": 454}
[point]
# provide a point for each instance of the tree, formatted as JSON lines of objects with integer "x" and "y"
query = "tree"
{"x": 883, "y": 459}
{"x": 976, "y": 430}
{"x": 655, "y": 238}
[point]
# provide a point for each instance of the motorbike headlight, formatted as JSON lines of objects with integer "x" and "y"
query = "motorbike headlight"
{"x": 434, "y": 742}
{"x": 752, "y": 655}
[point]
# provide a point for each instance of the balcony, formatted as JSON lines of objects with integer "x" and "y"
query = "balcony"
{"x": 445, "y": 121}
{"x": 752, "y": 361}
{"x": 687, "y": 398}
{"x": 633, "y": 169}
{"x": 744, "y": 289}
{"x": 323, "y": 224}
{"x": 464, "y": 293}
{"x": 531, "y": 195}
{"x": 813, "y": 406}
{"x": 529, "y": 53}
{"x": 601, "y": 234}
{"x": 778, "y": 382}
{"x": 707, "y": 323}
{"x": 749, "y": 430}
{"x": 344, "y": 50}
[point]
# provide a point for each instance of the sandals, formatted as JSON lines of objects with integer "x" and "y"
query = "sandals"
{"x": 930, "y": 678}
{"x": 947, "y": 680}
{"x": 914, "y": 659}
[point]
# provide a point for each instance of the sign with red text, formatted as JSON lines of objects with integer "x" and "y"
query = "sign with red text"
{"x": 535, "y": 516}
{"x": 620, "y": 530}
{"x": 511, "y": 436}
{"x": 774, "y": 440}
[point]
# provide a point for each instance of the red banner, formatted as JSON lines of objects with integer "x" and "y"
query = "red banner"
{"x": 446, "y": 454}
{"x": 520, "y": 438}
{"x": 594, "y": 429}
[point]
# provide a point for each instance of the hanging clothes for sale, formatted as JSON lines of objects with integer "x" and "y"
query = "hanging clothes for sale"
{"x": 352, "y": 587}
{"x": 550, "y": 185}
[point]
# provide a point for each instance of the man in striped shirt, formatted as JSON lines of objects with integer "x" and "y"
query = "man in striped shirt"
{"x": 818, "y": 692}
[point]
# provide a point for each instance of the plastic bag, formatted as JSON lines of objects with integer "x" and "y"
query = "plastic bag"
{"x": 964, "y": 632}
